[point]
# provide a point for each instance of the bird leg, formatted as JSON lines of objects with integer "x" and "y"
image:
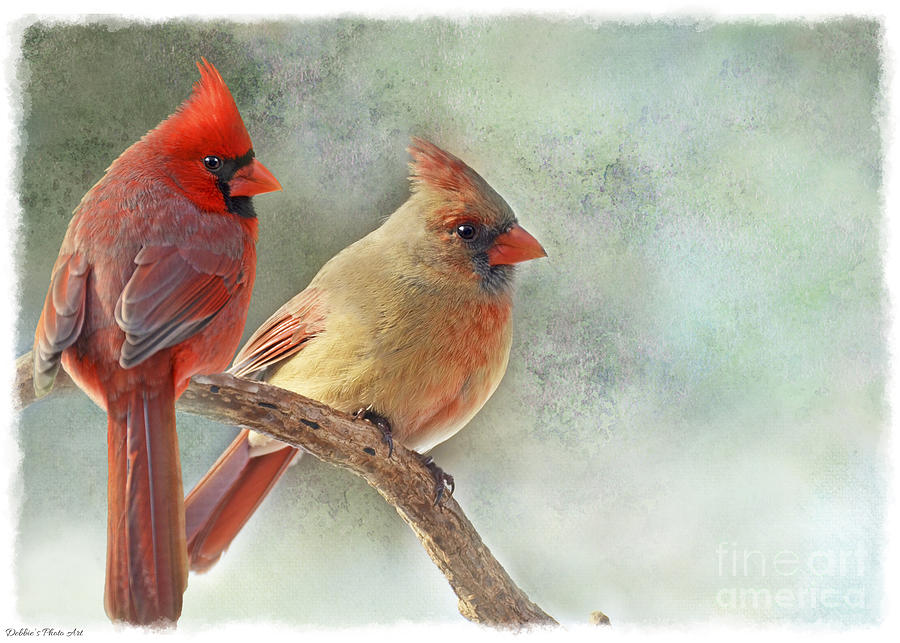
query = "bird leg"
{"x": 443, "y": 481}
{"x": 381, "y": 423}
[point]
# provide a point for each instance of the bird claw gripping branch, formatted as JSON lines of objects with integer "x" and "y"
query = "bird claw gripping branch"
{"x": 443, "y": 481}
{"x": 381, "y": 423}
{"x": 416, "y": 316}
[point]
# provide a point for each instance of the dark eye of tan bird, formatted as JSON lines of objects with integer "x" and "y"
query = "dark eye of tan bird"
{"x": 466, "y": 231}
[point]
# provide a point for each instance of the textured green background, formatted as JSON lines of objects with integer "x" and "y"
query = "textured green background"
{"x": 698, "y": 368}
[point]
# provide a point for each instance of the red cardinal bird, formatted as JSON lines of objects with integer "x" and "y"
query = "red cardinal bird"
{"x": 151, "y": 286}
{"x": 411, "y": 323}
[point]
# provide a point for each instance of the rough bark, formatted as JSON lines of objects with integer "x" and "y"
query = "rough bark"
{"x": 486, "y": 592}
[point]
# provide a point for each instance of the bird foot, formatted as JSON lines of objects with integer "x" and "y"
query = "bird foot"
{"x": 381, "y": 423}
{"x": 443, "y": 481}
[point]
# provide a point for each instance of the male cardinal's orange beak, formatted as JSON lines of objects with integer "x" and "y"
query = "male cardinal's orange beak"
{"x": 514, "y": 246}
{"x": 253, "y": 179}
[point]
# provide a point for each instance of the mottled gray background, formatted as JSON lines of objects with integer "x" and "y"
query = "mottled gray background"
{"x": 692, "y": 426}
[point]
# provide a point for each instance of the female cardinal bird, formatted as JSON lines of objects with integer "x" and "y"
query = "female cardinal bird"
{"x": 412, "y": 323}
{"x": 151, "y": 286}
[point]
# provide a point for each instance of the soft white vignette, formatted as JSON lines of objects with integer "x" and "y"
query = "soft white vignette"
{"x": 765, "y": 11}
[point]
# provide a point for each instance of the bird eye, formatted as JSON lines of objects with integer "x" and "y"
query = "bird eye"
{"x": 212, "y": 163}
{"x": 466, "y": 231}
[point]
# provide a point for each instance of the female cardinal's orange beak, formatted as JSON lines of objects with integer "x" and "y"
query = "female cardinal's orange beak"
{"x": 253, "y": 179}
{"x": 514, "y": 246}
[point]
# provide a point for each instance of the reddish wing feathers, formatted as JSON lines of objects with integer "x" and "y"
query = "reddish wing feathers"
{"x": 226, "y": 497}
{"x": 283, "y": 334}
{"x": 61, "y": 319}
{"x": 173, "y": 293}
{"x": 170, "y": 294}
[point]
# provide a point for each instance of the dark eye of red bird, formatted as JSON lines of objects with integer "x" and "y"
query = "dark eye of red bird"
{"x": 466, "y": 231}
{"x": 212, "y": 163}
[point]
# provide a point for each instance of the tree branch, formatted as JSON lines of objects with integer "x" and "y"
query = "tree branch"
{"x": 486, "y": 592}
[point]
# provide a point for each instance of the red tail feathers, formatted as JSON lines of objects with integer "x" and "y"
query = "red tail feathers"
{"x": 146, "y": 565}
{"x": 217, "y": 508}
